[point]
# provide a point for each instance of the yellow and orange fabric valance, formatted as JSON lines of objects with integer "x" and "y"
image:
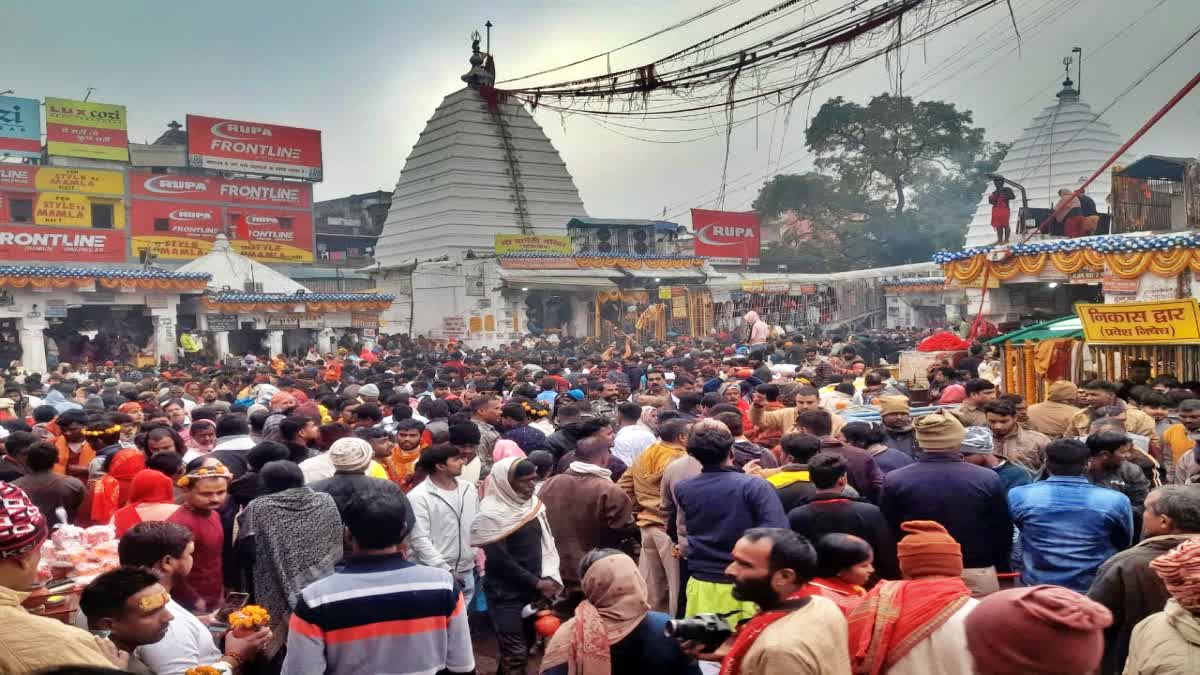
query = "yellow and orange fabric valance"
{"x": 13, "y": 276}
{"x": 1124, "y": 264}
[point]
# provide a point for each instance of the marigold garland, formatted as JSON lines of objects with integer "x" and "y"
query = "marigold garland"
{"x": 250, "y": 617}
{"x": 1123, "y": 265}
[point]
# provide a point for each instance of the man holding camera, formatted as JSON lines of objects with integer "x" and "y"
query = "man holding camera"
{"x": 793, "y": 633}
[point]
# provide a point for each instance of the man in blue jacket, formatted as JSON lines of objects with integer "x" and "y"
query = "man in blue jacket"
{"x": 718, "y": 506}
{"x": 966, "y": 499}
{"x": 1069, "y": 526}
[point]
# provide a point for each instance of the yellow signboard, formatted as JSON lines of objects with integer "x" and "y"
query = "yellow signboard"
{"x": 1168, "y": 322}
{"x": 753, "y": 286}
{"x": 532, "y": 243}
{"x": 51, "y": 179}
{"x": 86, "y": 129}
{"x": 75, "y": 210}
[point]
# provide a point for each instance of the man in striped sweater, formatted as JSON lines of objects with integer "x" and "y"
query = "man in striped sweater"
{"x": 379, "y": 613}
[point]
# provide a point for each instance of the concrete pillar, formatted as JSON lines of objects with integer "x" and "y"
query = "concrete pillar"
{"x": 33, "y": 344}
{"x": 164, "y": 338}
{"x": 325, "y": 340}
{"x": 274, "y": 343}
{"x": 221, "y": 344}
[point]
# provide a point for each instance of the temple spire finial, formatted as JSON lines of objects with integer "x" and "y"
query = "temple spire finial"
{"x": 478, "y": 76}
{"x": 1068, "y": 92}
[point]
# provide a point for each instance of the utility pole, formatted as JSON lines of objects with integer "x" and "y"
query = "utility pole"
{"x": 488, "y": 25}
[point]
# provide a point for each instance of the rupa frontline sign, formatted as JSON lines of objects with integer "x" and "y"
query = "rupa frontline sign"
{"x": 20, "y": 242}
{"x": 727, "y": 237}
{"x": 285, "y": 194}
{"x": 254, "y": 147}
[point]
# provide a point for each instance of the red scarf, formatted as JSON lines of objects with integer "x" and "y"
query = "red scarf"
{"x": 750, "y": 630}
{"x": 896, "y": 615}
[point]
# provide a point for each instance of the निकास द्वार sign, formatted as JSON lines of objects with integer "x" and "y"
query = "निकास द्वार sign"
{"x": 1168, "y": 322}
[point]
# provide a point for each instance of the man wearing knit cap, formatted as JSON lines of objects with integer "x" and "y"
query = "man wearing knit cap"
{"x": 977, "y": 448}
{"x": 1168, "y": 643}
{"x": 1040, "y": 630}
{"x": 1069, "y": 526}
{"x": 967, "y": 500}
{"x": 897, "y": 424}
{"x": 29, "y": 643}
{"x": 916, "y": 626}
{"x": 1053, "y": 416}
{"x": 353, "y": 469}
{"x": 368, "y": 393}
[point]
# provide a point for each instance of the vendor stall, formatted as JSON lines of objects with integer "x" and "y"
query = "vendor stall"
{"x": 1034, "y": 356}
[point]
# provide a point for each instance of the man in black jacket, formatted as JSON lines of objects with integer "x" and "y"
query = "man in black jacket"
{"x": 830, "y": 510}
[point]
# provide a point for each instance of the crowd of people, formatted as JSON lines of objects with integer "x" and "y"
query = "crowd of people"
{"x": 685, "y": 507}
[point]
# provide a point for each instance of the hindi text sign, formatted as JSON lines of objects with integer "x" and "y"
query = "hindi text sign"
{"x": 1168, "y": 322}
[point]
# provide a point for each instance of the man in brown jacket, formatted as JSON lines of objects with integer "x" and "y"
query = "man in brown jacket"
{"x": 1053, "y": 416}
{"x": 1010, "y": 441}
{"x": 1125, "y": 583}
{"x": 782, "y": 421}
{"x": 586, "y": 510}
{"x": 1103, "y": 394}
{"x": 643, "y": 484}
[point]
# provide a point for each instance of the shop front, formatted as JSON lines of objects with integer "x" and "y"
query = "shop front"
{"x": 267, "y": 324}
{"x": 88, "y": 315}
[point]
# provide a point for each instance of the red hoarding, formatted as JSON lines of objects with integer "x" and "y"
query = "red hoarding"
{"x": 182, "y": 231}
{"x": 270, "y": 235}
{"x": 17, "y": 177}
{"x": 283, "y": 194}
{"x": 20, "y": 242}
{"x": 254, "y": 147}
{"x": 727, "y": 236}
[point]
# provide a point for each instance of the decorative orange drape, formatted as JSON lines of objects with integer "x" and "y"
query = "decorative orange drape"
{"x": 1127, "y": 265}
{"x": 106, "y": 282}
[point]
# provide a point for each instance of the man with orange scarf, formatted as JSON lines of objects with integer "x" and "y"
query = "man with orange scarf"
{"x": 916, "y": 626}
{"x": 794, "y": 631}
{"x": 74, "y": 451}
{"x": 399, "y": 459}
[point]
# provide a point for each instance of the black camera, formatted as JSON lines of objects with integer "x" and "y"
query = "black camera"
{"x": 710, "y": 630}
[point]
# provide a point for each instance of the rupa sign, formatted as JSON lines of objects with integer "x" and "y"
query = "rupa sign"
{"x": 727, "y": 237}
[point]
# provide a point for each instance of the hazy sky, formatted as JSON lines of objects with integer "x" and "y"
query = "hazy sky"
{"x": 369, "y": 75}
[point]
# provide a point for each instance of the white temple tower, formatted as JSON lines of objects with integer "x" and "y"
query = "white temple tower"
{"x": 478, "y": 169}
{"x": 1060, "y": 148}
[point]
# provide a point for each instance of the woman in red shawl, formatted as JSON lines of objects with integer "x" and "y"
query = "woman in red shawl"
{"x": 151, "y": 498}
{"x": 111, "y": 491}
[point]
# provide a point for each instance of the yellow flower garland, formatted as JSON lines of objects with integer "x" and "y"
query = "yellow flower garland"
{"x": 1128, "y": 265}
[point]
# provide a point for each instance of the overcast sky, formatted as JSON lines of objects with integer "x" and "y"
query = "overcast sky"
{"x": 369, "y": 75}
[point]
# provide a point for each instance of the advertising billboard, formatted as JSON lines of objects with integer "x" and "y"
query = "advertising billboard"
{"x": 86, "y": 181}
{"x": 183, "y": 231}
{"x": 254, "y": 147}
{"x": 727, "y": 237}
{"x": 285, "y": 194}
{"x": 20, "y": 127}
{"x": 269, "y": 235}
{"x": 19, "y": 242}
{"x": 86, "y": 129}
{"x": 174, "y": 230}
{"x": 43, "y": 195}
